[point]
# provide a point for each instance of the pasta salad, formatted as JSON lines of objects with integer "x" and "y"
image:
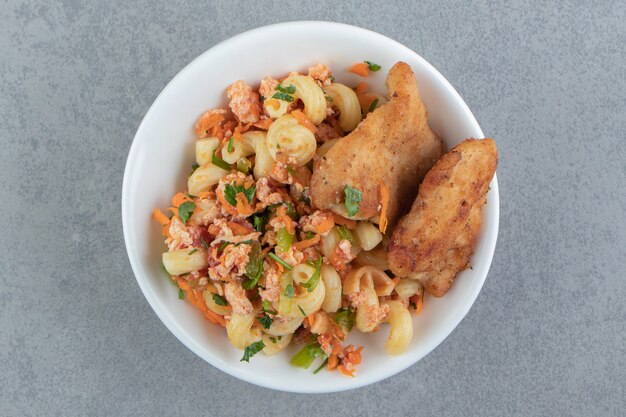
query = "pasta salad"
{"x": 247, "y": 246}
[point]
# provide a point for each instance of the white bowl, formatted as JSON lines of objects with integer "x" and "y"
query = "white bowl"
{"x": 162, "y": 153}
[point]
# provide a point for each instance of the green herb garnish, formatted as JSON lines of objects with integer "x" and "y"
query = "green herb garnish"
{"x": 372, "y": 67}
{"x": 302, "y": 311}
{"x": 272, "y": 339}
{"x": 266, "y": 322}
{"x": 220, "y": 163}
{"x": 345, "y": 233}
{"x": 254, "y": 268}
{"x": 280, "y": 261}
{"x": 185, "y": 210}
{"x": 290, "y": 89}
{"x": 181, "y": 294}
{"x": 252, "y": 350}
{"x": 204, "y": 243}
{"x": 283, "y": 96}
{"x": 194, "y": 250}
{"x": 231, "y": 191}
{"x": 289, "y": 290}
{"x": 266, "y": 306}
{"x": 372, "y": 105}
{"x": 309, "y": 234}
{"x": 315, "y": 278}
{"x": 194, "y": 166}
{"x": 231, "y": 143}
{"x": 243, "y": 166}
{"x": 259, "y": 221}
{"x": 321, "y": 366}
{"x": 222, "y": 246}
{"x": 353, "y": 198}
{"x": 219, "y": 300}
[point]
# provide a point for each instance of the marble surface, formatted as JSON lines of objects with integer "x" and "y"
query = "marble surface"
{"x": 547, "y": 334}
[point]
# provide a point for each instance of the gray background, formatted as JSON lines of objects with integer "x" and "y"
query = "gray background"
{"x": 547, "y": 333}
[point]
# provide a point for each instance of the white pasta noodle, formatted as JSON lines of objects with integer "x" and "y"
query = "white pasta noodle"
{"x": 363, "y": 320}
{"x": 288, "y": 141}
{"x": 241, "y": 148}
{"x": 263, "y": 162}
{"x": 301, "y": 273}
{"x": 367, "y": 235}
{"x": 407, "y": 288}
{"x": 332, "y": 285}
{"x": 204, "y": 178}
{"x": 345, "y": 99}
{"x": 401, "y": 325}
{"x": 307, "y": 301}
{"x": 368, "y": 277}
{"x": 183, "y": 261}
{"x": 376, "y": 257}
{"x": 283, "y": 325}
{"x": 311, "y": 94}
{"x": 205, "y": 148}
{"x": 240, "y": 331}
{"x": 207, "y": 294}
{"x": 329, "y": 242}
{"x": 273, "y": 344}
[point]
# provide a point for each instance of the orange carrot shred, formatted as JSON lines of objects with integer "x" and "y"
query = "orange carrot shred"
{"x": 384, "y": 203}
{"x": 360, "y": 68}
{"x": 160, "y": 217}
{"x": 361, "y": 88}
{"x": 350, "y": 224}
{"x": 238, "y": 229}
{"x": 208, "y": 121}
{"x": 179, "y": 199}
{"x": 303, "y": 244}
{"x": 304, "y": 120}
{"x": 263, "y": 124}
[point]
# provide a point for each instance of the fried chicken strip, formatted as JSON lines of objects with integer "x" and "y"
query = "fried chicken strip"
{"x": 393, "y": 145}
{"x": 435, "y": 240}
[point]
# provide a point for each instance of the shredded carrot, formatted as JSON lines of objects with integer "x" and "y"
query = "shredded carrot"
{"x": 333, "y": 361}
{"x": 361, "y": 88}
{"x": 350, "y": 224}
{"x": 197, "y": 301}
{"x": 243, "y": 206}
{"x": 326, "y": 224}
{"x": 237, "y": 134}
{"x": 384, "y": 203}
{"x": 238, "y": 229}
{"x": 263, "y": 124}
{"x": 208, "y": 121}
{"x": 165, "y": 230}
{"x": 304, "y": 120}
{"x": 245, "y": 127}
{"x": 418, "y": 299}
{"x": 183, "y": 285}
{"x": 360, "y": 68}
{"x": 160, "y": 217}
{"x": 179, "y": 199}
{"x": 206, "y": 194}
{"x": 303, "y": 244}
{"x": 395, "y": 281}
{"x": 226, "y": 205}
{"x": 345, "y": 370}
{"x": 174, "y": 210}
{"x": 366, "y": 100}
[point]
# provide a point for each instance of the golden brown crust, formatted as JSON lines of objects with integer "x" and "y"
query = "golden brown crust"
{"x": 394, "y": 145}
{"x": 435, "y": 240}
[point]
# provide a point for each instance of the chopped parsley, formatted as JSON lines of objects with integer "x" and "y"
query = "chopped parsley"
{"x": 220, "y": 163}
{"x": 345, "y": 233}
{"x": 194, "y": 250}
{"x": 353, "y": 198}
{"x": 301, "y": 310}
{"x": 372, "y": 105}
{"x": 266, "y": 322}
{"x": 309, "y": 234}
{"x": 290, "y": 89}
{"x": 185, "y": 210}
{"x": 305, "y": 199}
{"x": 315, "y": 278}
{"x": 254, "y": 268}
{"x": 219, "y": 300}
{"x": 272, "y": 339}
{"x": 289, "y": 291}
{"x": 252, "y": 350}
{"x": 231, "y": 191}
{"x": 222, "y": 246}
{"x": 259, "y": 221}
{"x": 280, "y": 261}
{"x": 372, "y": 67}
{"x": 283, "y": 96}
{"x": 345, "y": 318}
{"x": 181, "y": 294}
{"x": 231, "y": 143}
{"x": 204, "y": 243}
{"x": 194, "y": 166}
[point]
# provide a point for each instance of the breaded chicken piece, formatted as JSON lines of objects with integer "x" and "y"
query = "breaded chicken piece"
{"x": 393, "y": 145}
{"x": 435, "y": 240}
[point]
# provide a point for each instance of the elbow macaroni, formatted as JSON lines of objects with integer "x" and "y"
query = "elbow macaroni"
{"x": 240, "y": 331}
{"x": 311, "y": 95}
{"x": 205, "y": 148}
{"x": 368, "y": 277}
{"x": 346, "y": 101}
{"x": 401, "y": 325}
{"x": 332, "y": 286}
{"x": 288, "y": 141}
{"x": 204, "y": 178}
{"x": 180, "y": 261}
{"x": 241, "y": 148}
{"x": 367, "y": 235}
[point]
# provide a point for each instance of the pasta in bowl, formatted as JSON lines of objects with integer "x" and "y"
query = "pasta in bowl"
{"x": 251, "y": 253}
